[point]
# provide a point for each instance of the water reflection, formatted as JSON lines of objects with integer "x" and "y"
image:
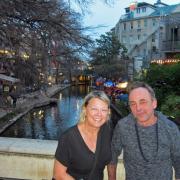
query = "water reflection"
{"x": 49, "y": 122}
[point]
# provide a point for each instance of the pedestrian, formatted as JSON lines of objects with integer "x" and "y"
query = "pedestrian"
{"x": 84, "y": 150}
{"x": 150, "y": 142}
{"x": 14, "y": 96}
{"x": 14, "y": 101}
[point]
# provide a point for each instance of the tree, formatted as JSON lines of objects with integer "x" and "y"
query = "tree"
{"x": 164, "y": 77}
{"x": 106, "y": 57}
{"x": 172, "y": 102}
{"x": 30, "y": 27}
{"x": 83, "y": 4}
{"x": 165, "y": 81}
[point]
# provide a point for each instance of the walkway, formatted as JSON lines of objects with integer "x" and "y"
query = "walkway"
{"x": 28, "y": 102}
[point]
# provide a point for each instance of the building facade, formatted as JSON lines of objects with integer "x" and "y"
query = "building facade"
{"x": 149, "y": 32}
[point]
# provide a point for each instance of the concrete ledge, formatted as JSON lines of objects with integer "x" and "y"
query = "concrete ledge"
{"x": 28, "y": 146}
{"x": 26, "y": 158}
{"x": 33, "y": 159}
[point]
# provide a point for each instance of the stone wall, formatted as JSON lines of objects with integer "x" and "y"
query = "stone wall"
{"x": 32, "y": 159}
{"x": 26, "y": 158}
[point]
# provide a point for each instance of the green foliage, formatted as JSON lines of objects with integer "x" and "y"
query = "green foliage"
{"x": 177, "y": 56}
{"x": 108, "y": 46}
{"x": 171, "y": 106}
{"x": 122, "y": 108}
{"x": 164, "y": 78}
{"x": 165, "y": 81}
{"x": 105, "y": 54}
{"x": 109, "y": 71}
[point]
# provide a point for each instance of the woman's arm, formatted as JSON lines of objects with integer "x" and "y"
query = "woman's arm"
{"x": 60, "y": 173}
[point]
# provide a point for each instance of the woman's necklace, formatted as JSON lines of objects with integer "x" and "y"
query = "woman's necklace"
{"x": 139, "y": 142}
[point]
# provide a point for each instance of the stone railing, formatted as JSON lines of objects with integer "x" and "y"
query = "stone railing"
{"x": 26, "y": 158}
{"x": 32, "y": 159}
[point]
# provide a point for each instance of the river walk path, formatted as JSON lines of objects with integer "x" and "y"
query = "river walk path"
{"x": 27, "y": 103}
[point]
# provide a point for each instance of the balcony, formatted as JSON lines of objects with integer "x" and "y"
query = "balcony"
{"x": 171, "y": 46}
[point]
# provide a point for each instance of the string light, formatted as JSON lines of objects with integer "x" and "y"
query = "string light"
{"x": 165, "y": 61}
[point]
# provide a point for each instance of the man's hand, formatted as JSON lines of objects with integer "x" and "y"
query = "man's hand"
{"x": 111, "y": 168}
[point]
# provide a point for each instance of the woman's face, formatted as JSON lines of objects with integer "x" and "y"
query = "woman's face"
{"x": 97, "y": 112}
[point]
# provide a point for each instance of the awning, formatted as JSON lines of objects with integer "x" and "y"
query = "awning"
{"x": 9, "y": 78}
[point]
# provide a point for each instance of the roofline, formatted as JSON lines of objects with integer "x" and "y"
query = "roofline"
{"x": 161, "y": 3}
{"x": 139, "y": 18}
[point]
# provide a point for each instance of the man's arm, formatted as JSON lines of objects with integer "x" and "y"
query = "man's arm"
{"x": 111, "y": 168}
{"x": 175, "y": 151}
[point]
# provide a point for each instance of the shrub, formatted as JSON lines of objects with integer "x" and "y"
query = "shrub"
{"x": 171, "y": 106}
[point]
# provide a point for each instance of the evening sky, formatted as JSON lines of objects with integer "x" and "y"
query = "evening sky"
{"x": 108, "y": 16}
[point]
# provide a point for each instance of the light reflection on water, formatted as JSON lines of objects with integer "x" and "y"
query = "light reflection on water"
{"x": 49, "y": 122}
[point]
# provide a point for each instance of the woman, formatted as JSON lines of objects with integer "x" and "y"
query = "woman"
{"x": 84, "y": 150}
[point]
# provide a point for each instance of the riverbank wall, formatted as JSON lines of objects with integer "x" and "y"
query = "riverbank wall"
{"x": 29, "y": 102}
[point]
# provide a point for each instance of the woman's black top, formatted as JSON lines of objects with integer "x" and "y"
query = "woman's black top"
{"x": 73, "y": 153}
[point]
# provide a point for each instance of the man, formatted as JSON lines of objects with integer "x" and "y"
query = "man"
{"x": 150, "y": 142}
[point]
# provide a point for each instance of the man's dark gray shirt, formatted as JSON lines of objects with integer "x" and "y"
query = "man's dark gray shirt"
{"x": 161, "y": 152}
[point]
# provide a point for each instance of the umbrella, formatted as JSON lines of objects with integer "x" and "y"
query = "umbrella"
{"x": 108, "y": 84}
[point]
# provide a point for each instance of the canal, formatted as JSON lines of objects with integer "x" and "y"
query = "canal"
{"x": 50, "y": 121}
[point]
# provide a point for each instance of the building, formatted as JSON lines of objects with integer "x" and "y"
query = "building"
{"x": 149, "y": 32}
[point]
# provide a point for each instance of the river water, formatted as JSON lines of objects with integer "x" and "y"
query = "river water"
{"x": 50, "y": 121}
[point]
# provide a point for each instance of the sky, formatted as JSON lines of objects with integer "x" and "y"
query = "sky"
{"x": 108, "y": 16}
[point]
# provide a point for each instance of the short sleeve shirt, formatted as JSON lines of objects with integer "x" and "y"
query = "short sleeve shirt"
{"x": 73, "y": 153}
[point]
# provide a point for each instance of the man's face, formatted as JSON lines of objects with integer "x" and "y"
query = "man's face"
{"x": 142, "y": 105}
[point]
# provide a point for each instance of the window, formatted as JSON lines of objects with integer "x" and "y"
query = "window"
{"x": 144, "y": 9}
{"x": 154, "y": 48}
{"x": 124, "y": 25}
{"x": 124, "y": 39}
{"x": 145, "y": 22}
{"x": 153, "y": 22}
{"x": 131, "y": 25}
{"x": 138, "y": 10}
{"x": 139, "y": 37}
{"x": 131, "y": 38}
{"x": 153, "y": 38}
{"x": 139, "y": 24}
{"x": 138, "y": 52}
{"x": 144, "y": 52}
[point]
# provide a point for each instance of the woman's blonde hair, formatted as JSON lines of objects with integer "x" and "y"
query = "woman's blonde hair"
{"x": 94, "y": 94}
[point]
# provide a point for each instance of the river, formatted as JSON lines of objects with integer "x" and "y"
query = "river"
{"x": 50, "y": 121}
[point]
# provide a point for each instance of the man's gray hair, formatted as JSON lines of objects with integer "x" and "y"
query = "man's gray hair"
{"x": 139, "y": 84}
